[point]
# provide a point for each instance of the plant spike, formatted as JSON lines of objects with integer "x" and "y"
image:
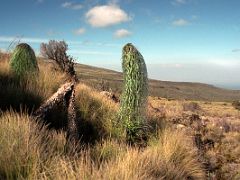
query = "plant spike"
{"x": 135, "y": 93}
{"x": 23, "y": 60}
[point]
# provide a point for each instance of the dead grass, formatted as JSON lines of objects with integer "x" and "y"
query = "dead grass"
{"x": 25, "y": 146}
{"x": 98, "y": 115}
{"x": 221, "y": 127}
{"x": 168, "y": 157}
{"x": 29, "y": 150}
{"x": 30, "y": 92}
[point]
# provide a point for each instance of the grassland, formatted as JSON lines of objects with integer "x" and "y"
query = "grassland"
{"x": 100, "y": 77}
{"x": 187, "y": 139}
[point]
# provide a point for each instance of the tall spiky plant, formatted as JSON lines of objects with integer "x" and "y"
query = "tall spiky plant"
{"x": 23, "y": 60}
{"x": 135, "y": 92}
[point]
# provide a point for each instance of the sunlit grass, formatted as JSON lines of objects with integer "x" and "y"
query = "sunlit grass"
{"x": 30, "y": 150}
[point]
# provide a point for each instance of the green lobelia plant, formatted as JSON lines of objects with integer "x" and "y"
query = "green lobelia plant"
{"x": 23, "y": 60}
{"x": 134, "y": 96}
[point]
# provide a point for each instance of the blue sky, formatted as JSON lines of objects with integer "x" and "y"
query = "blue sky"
{"x": 181, "y": 40}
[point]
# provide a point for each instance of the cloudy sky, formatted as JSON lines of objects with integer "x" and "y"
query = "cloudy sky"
{"x": 181, "y": 40}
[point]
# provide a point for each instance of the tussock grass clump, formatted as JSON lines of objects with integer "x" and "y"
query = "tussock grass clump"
{"x": 97, "y": 115}
{"x": 29, "y": 151}
{"x": 30, "y": 92}
{"x": 167, "y": 158}
{"x": 107, "y": 150}
{"x": 25, "y": 146}
{"x": 18, "y": 151}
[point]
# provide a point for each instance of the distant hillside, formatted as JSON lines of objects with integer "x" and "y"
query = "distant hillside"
{"x": 101, "y": 78}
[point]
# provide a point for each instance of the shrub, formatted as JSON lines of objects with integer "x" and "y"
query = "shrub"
{"x": 134, "y": 97}
{"x": 191, "y": 106}
{"x": 23, "y": 60}
{"x": 57, "y": 51}
{"x": 236, "y": 104}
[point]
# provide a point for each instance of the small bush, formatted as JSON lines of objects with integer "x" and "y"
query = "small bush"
{"x": 191, "y": 106}
{"x": 57, "y": 51}
{"x": 236, "y": 104}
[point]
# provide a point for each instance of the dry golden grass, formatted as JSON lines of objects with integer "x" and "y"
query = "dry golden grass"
{"x": 29, "y": 150}
{"x": 29, "y": 93}
{"x": 175, "y": 108}
{"x": 98, "y": 113}
{"x": 171, "y": 108}
{"x": 169, "y": 156}
{"x": 221, "y": 127}
{"x": 25, "y": 146}
{"x": 220, "y": 109}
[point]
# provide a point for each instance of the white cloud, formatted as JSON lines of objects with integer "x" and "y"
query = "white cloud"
{"x": 21, "y": 39}
{"x": 80, "y": 31}
{"x": 180, "y": 22}
{"x": 106, "y": 15}
{"x": 71, "y": 5}
{"x": 89, "y": 43}
{"x": 77, "y": 52}
{"x": 9, "y": 39}
{"x": 40, "y": 1}
{"x": 179, "y": 2}
{"x": 122, "y": 33}
{"x": 66, "y": 4}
